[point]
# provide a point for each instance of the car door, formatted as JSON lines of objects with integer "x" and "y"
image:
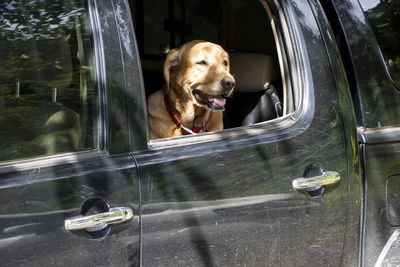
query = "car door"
{"x": 65, "y": 162}
{"x": 232, "y": 197}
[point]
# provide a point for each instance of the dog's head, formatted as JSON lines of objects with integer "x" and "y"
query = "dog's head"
{"x": 199, "y": 71}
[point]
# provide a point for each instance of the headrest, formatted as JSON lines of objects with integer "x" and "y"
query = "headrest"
{"x": 252, "y": 72}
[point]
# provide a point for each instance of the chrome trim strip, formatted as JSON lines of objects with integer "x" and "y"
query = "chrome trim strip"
{"x": 46, "y": 161}
{"x": 373, "y": 136}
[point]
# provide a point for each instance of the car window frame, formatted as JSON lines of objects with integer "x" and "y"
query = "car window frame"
{"x": 297, "y": 72}
{"x": 100, "y": 77}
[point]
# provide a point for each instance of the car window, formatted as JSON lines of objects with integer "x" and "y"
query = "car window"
{"x": 48, "y": 98}
{"x": 245, "y": 29}
{"x": 384, "y": 17}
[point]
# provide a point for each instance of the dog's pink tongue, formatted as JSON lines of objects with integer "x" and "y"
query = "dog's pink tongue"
{"x": 218, "y": 101}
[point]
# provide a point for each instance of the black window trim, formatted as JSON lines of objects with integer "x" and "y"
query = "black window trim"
{"x": 100, "y": 72}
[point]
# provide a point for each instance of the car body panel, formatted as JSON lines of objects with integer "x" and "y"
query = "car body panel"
{"x": 379, "y": 97}
{"x": 38, "y": 195}
{"x": 35, "y": 205}
{"x": 381, "y": 212}
{"x": 378, "y": 131}
{"x": 351, "y": 249}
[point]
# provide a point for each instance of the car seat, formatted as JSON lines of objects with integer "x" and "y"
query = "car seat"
{"x": 255, "y": 98}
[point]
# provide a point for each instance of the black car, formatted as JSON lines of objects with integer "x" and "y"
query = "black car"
{"x": 305, "y": 173}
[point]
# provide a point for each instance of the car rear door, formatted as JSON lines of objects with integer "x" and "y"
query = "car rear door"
{"x": 65, "y": 162}
{"x": 228, "y": 198}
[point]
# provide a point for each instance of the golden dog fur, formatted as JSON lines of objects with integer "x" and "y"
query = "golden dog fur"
{"x": 197, "y": 81}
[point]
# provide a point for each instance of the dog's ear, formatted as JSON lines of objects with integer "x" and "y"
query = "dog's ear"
{"x": 171, "y": 62}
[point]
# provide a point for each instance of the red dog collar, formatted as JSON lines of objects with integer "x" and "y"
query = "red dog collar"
{"x": 180, "y": 125}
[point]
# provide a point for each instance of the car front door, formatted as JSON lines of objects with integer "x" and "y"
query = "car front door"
{"x": 65, "y": 162}
{"x": 235, "y": 197}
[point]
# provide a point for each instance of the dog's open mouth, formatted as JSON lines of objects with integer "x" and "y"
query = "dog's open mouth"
{"x": 213, "y": 102}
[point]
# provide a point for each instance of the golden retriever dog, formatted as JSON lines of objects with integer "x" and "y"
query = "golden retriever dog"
{"x": 197, "y": 83}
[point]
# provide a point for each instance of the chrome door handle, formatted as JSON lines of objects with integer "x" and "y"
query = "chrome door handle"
{"x": 113, "y": 216}
{"x": 313, "y": 183}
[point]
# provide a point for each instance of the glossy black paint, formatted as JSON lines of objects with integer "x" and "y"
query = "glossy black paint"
{"x": 35, "y": 205}
{"x": 230, "y": 201}
{"x": 349, "y": 127}
{"x": 37, "y": 195}
{"x": 378, "y": 136}
{"x": 224, "y": 198}
{"x": 379, "y": 96}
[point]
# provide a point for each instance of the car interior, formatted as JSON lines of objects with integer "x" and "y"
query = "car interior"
{"x": 245, "y": 29}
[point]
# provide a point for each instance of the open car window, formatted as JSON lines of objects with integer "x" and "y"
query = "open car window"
{"x": 247, "y": 30}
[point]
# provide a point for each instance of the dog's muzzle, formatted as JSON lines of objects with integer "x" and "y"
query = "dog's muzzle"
{"x": 216, "y": 102}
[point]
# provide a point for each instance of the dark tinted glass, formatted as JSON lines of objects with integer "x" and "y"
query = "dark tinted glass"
{"x": 384, "y": 17}
{"x": 47, "y": 91}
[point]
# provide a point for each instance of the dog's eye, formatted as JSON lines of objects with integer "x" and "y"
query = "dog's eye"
{"x": 202, "y": 62}
{"x": 226, "y": 63}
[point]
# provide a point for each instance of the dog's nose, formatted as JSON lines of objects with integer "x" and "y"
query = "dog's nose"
{"x": 228, "y": 82}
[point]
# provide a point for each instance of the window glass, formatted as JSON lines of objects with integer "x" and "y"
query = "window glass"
{"x": 48, "y": 100}
{"x": 384, "y": 17}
